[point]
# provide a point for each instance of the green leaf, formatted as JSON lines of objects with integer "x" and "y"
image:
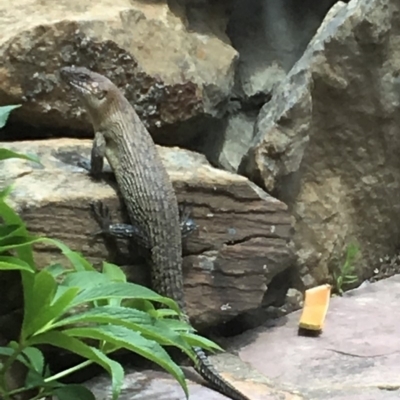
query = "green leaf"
{"x": 126, "y": 338}
{"x": 62, "y": 301}
{"x": 9, "y": 352}
{"x": 85, "y": 279}
{"x": 77, "y": 260}
{"x": 133, "y": 319}
{"x": 60, "y": 339}
{"x": 115, "y": 370}
{"x": 35, "y": 357}
{"x": 349, "y": 279}
{"x": 10, "y": 230}
{"x": 14, "y": 242}
{"x": 37, "y": 306}
{"x": 13, "y": 263}
{"x": 45, "y": 321}
{"x": 34, "y": 379}
{"x": 6, "y": 192}
{"x": 121, "y": 290}
{"x": 140, "y": 304}
{"x": 113, "y": 272}
{"x": 352, "y": 251}
{"x": 32, "y": 358}
{"x": 344, "y": 275}
{"x": 105, "y": 314}
{"x": 5, "y": 112}
{"x": 178, "y": 325}
{"x": 77, "y": 392}
{"x": 6, "y": 351}
{"x": 199, "y": 341}
{"x": 57, "y": 270}
{"x": 166, "y": 313}
{"x": 6, "y": 154}
{"x": 10, "y": 217}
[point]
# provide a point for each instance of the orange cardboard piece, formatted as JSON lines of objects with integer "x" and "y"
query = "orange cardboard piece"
{"x": 315, "y": 308}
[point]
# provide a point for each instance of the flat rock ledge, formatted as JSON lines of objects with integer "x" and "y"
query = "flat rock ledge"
{"x": 240, "y": 245}
{"x": 277, "y": 364}
{"x": 357, "y": 357}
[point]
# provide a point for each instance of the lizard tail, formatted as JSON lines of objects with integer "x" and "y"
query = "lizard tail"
{"x": 209, "y": 373}
{"x": 206, "y": 370}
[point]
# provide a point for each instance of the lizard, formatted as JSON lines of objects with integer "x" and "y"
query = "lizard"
{"x": 146, "y": 189}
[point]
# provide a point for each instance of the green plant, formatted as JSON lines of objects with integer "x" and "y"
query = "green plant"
{"x": 65, "y": 306}
{"x": 344, "y": 275}
{"x": 5, "y": 112}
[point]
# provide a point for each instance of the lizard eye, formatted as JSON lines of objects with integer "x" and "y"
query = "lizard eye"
{"x": 102, "y": 94}
{"x": 82, "y": 77}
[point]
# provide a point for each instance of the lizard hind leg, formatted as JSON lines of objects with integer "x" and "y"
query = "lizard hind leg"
{"x": 128, "y": 231}
{"x": 102, "y": 216}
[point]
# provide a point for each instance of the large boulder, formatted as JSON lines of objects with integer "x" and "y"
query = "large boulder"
{"x": 240, "y": 245}
{"x": 328, "y": 145}
{"x": 270, "y": 37}
{"x": 171, "y": 72}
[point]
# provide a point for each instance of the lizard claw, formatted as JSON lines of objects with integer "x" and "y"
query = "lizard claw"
{"x": 188, "y": 225}
{"x": 101, "y": 214}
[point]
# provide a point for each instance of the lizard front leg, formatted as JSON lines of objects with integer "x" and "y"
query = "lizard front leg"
{"x": 102, "y": 216}
{"x": 95, "y": 165}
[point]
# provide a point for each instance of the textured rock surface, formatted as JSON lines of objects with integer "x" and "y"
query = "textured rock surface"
{"x": 173, "y": 59}
{"x": 327, "y": 143}
{"x": 145, "y": 385}
{"x": 361, "y": 323}
{"x": 134, "y": 42}
{"x": 241, "y": 243}
{"x": 270, "y": 37}
{"x": 238, "y": 134}
{"x": 277, "y": 364}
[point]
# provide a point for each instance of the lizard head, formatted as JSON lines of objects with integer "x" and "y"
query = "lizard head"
{"x": 92, "y": 88}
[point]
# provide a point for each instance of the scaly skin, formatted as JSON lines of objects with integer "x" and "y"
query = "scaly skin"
{"x": 121, "y": 137}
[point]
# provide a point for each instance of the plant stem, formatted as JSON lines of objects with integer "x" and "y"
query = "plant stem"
{"x": 3, "y": 371}
{"x": 68, "y": 371}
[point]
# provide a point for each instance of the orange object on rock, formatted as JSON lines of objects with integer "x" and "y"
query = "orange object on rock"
{"x": 315, "y": 307}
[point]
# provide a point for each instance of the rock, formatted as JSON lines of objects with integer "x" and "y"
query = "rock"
{"x": 133, "y": 42}
{"x": 270, "y": 37}
{"x": 237, "y": 134}
{"x": 326, "y": 143}
{"x": 360, "y": 323}
{"x": 240, "y": 246}
{"x": 146, "y": 384}
{"x": 279, "y": 364}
